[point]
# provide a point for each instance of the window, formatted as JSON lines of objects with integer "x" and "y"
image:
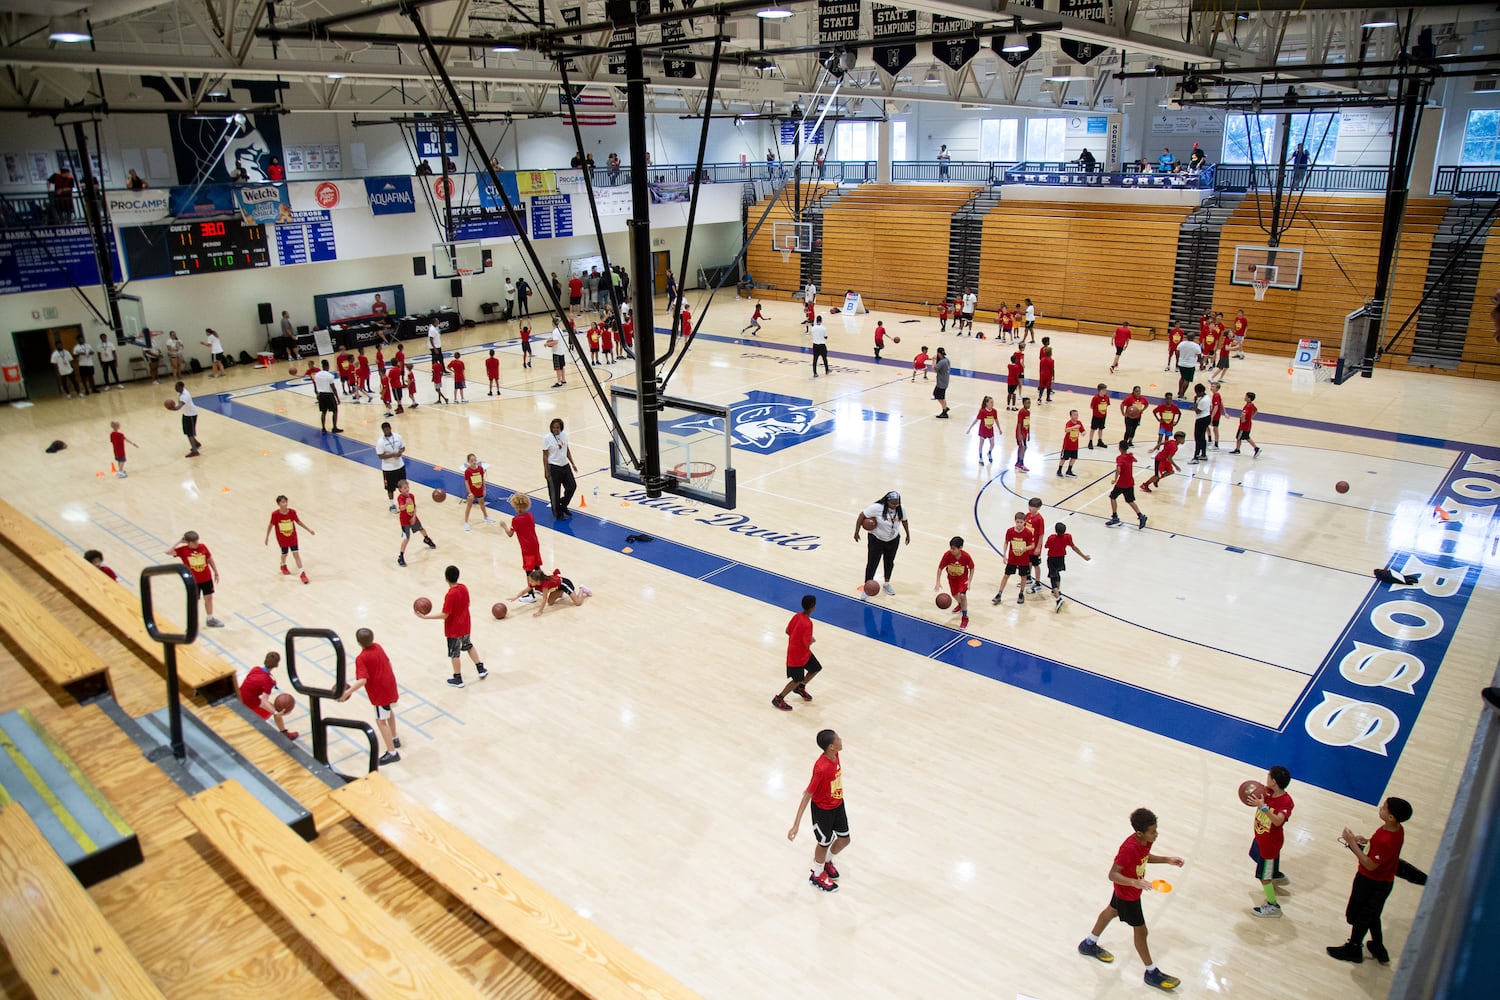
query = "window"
{"x": 1248, "y": 138}
{"x": 1319, "y": 135}
{"x": 997, "y": 139}
{"x": 1481, "y": 138}
{"x": 898, "y": 140}
{"x": 854, "y": 141}
{"x": 1044, "y": 139}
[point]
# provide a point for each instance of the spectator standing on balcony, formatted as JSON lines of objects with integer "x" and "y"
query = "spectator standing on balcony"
{"x": 943, "y": 158}
{"x": 275, "y": 171}
{"x": 770, "y": 164}
{"x": 1300, "y": 160}
{"x": 1197, "y": 159}
{"x": 819, "y": 158}
{"x": 1086, "y": 162}
{"x": 62, "y": 185}
{"x": 613, "y": 166}
{"x": 1166, "y": 161}
{"x": 135, "y": 182}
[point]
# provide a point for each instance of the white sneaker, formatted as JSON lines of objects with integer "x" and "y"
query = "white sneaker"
{"x": 1267, "y": 910}
{"x": 121, "y": 474}
{"x": 466, "y": 525}
{"x": 889, "y": 589}
{"x": 527, "y": 598}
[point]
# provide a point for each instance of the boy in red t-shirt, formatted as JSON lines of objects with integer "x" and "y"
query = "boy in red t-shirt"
{"x": 1132, "y": 406}
{"x": 285, "y": 522}
{"x": 754, "y": 325}
{"x": 195, "y": 555}
{"x": 593, "y": 339}
{"x": 1098, "y": 414}
{"x": 1127, "y": 876}
{"x": 879, "y": 339}
{"x": 1379, "y": 856}
{"x": 522, "y": 528}
{"x": 1023, "y": 434}
{"x": 395, "y": 382}
{"x": 627, "y": 335}
{"x": 362, "y": 371}
{"x": 438, "y": 371}
{"x": 456, "y": 368}
{"x": 830, "y": 823}
{"x": 1072, "y": 434}
{"x": 687, "y": 325}
{"x": 1017, "y": 549}
{"x": 257, "y": 693}
{"x": 1215, "y": 411}
{"x": 1123, "y": 486}
{"x": 1046, "y": 371}
{"x": 1122, "y": 341}
{"x": 372, "y": 671}
{"x": 1241, "y": 330}
{"x": 1037, "y": 525}
{"x": 1166, "y": 413}
{"x": 1247, "y": 416}
{"x": 411, "y": 383}
{"x": 1013, "y": 373}
{"x": 406, "y": 510}
{"x": 525, "y": 346}
{"x": 801, "y": 665}
{"x": 1273, "y": 807}
{"x": 1166, "y": 463}
{"x": 919, "y": 364}
{"x": 473, "y": 473}
{"x": 456, "y": 627}
{"x": 958, "y": 566}
{"x": 942, "y": 316}
{"x": 1174, "y": 337}
{"x": 1057, "y": 545}
{"x": 117, "y": 443}
{"x": 607, "y": 341}
{"x": 492, "y": 373}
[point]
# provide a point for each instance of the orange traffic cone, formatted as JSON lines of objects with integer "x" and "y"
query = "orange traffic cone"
{"x": 112, "y": 467}
{"x": 583, "y": 502}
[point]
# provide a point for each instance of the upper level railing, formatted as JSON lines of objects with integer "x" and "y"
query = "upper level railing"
{"x": 1262, "y": 177}
{"x": 1467, "y": 181}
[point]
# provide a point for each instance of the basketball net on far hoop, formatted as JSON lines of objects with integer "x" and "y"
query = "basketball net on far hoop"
{"x": 1259, "y": 287}
{"x": 786, "y": 250}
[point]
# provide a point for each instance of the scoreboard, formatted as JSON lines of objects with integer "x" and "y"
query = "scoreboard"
{"x": 205, "y": 247}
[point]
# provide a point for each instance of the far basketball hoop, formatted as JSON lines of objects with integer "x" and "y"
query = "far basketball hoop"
{"x": 1259, "y": 287}
{"x": 1265, "y": 277}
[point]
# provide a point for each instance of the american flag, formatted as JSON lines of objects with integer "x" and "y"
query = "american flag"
{"x": 591, "y": 109}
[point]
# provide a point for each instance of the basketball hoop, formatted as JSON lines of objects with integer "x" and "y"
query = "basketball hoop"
{"x": 1259, "y": 286}
{"x": 688, "y": 471}
{"x": 786, "y": 254}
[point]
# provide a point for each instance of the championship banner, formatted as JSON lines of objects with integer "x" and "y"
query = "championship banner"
{"x": 322, "y": 196}
{"x": 953, "y": 54}
{"x": 390, "y": 195}
{"x": 623, "y": 36}
{"x": 1033, "y": 46}
{"x": 572, "y": 17}
{"x": 535, "y": 182}
{"x": 838, "y": 20}
{"x": 892, "y": 23}
{"x": 1085, "y": 10}
{"x": 133, "y": 208}
{"x": 263, "y": 204}
{"x": 676, "y": 31}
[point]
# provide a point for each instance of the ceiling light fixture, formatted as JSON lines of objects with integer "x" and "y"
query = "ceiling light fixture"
{"x": 773, "y": 13}
{"x": 335, "y": 76}
{"x": 1014, "y": 42}
{"x": 1380, "y": 19}
{"x": 506, "y": 48}
{"x": 69, "y": 28}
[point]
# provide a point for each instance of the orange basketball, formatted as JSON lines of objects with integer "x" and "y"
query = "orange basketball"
{"x": 867, "y": 522}
{"x": 1249, "y": 790}
{"x": 284, "y": 702}
{"x": 1341, "y": 486}
{"x": 872, "y": 588}
{"x": 895, "y": 340}
{"x": 499, "y": 610}
{"x": 438, "y": 496}
{"x": 170, "y": 404}
{"x": 944, "y": 601}
{"x": 422, "y": 605}
{"x": 292, "y": 371}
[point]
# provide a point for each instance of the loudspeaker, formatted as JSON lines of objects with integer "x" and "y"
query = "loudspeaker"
{"x": 266, "y": 316}
{"x": 456, "y": 287}
{"x": 419, "y": 266}
{"x": 486, "y": 258}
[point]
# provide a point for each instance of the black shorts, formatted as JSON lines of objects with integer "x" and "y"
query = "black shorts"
{"x": 206, "y": 588}
{"x": 940, "y": 393}
{"x": 526, "y": 348}
{"x": 806, "y": 672}
{"x": 1119, "y": 349}
{"x": 1070, "y": 454}
{"x": 327, "y": 402}
{"x": 1097, "y": 423}
{"x": 1024, "y": 572}
{"x": 415, "y": 528}
{"x": 1036, "y": 562}
{"x": 559, "y": 361}
{"x": 393, "y": 477}
{"x": 574, "y": 299}
{"x": 190, "y": 425}
{"x": 1055, "y": 566}
{"x": 288, "y": 548}
{"x": 1366, "y": 900}
{"x": 829, "y": 824}
{"x": 1188, "y": 372}
{"x": 1129, "y": 911}
{"x": 1128, "y": 492}
{"x": 1242, "y": 434}
{"x": 458, "y": 644}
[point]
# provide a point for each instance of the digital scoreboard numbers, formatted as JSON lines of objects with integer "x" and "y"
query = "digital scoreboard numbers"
{"x": 209, "y": 247}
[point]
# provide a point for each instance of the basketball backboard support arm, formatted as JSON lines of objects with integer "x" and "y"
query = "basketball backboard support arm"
{"x": 642, "y": 289}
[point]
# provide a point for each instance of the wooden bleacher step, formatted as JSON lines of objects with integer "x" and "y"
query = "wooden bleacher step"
{"x": 211, "y": 761}
{"x": 371, "y": 949}
{"x": 590, "y": 959}
{"x": 58, "y": 941}
{"x": 84, "y": 830}
{"x": 65, "y": 659}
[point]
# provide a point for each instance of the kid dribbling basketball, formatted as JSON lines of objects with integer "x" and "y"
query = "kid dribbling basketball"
{"x": 958, "y": 566}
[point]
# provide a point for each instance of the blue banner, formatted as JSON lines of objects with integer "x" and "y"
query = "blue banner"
{"x": 210, "y": 199}
{"x": 551, "y": 216}
{"x": 490, "y": 198}
{"x": 430, "y": 145}
{"x": 486, "y": 229}
{"x": 62, "y": 258}
{"x": 263, "y": 204}
{"x": 390, "y": 195}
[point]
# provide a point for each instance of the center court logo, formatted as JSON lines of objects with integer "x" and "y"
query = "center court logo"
{"x": 766, "y": 422}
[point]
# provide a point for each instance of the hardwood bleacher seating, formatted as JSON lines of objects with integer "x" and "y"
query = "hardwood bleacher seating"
{"x": 371, "y": 949}
{"x": 1340, "y": 240}
{"x": 774, "y": 278}
{"x": 43, "y": 640}
{"x": 1481, "y": 357}
{"x": 890, "y": 242}
{"x": 58, "y": 940}
{"x": 1086, "y": 266}
{"x": 587, "y": 957}
{"x": 115, "y": 607}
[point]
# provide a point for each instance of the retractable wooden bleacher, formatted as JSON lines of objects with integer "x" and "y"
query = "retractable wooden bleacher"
{"x": 1340, "y": 240}
{"x": 1086, "y": 266}
{"x": 889, "y": 242}
{"x": 1481, "y": 357}
{"x": 774, "y": 278}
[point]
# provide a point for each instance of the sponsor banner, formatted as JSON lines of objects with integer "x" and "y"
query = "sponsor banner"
{"x": 1198, "y": 179}
{"x": 893, "y": 23}
{"x": 390, "y": 195}
{"x": 1084, "y": 10}
{"x": 323, "y": 196}
{"x": 210, "y": 199}
{"x": 490, "y": 198}
{"x": 132, "y": 208}
{"x": 263, "y": 204}
{"x": 954, "y": 54}
{"x": 838, "y": 20}
{"x": 461, "y": 189}
{"x": 535, "y": 182}
{"x": 1189, "y": 122}
{"x": 614, "y": 200}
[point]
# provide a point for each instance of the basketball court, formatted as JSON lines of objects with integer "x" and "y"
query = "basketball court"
{"x": 624, "y": 753}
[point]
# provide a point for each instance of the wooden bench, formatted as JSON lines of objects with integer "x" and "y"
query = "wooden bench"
{"x": 59, "y": 942}
{"x": 370, "y": 948}
{"x": 63, "y": 657}
{"x": 115, "y": 607}
{"x": 590, "y": 960}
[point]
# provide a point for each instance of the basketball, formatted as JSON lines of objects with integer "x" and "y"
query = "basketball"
{"x": 438, "y": 496}
{"x": 292, "y": 371}
{"x": 867, "y": 522}
{"x": 421, "y": 605}
{"x": 872, "y": 588}
{"x": 1341, "y": 486}
{"x": 499, "y": 610}
{"x": 284, "y": 703}
{"x": 170, "y": 404}
{"x": 895, "y": 340}
{"x": 1250, "y": 789}
{"x": 944, "y": 601}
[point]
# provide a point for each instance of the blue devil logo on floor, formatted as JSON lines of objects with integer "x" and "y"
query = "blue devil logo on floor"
{"x": 766, "y": 422}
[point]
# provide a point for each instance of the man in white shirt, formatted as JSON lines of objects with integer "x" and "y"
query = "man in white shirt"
{"x": 109, "y": 367}
{"x": 83, "y": 358}
{"x": 820, "y": 345}
{"x": 558, "y": 468}
{"x": 557, "y": 343}
{"x": 510, "y": 299}
{"x": 62, "y": 360}
{"x": 810, "y": 294}
{"x": 1187, "y": 361}
{"x": 189, "y": 410}
{"x": 435, "y": 341}
{"x": 325, "y": 383}
{"x": 971, "y": 302}
{"x": 391, "y": 451}
{"x": 1031, "y": 320}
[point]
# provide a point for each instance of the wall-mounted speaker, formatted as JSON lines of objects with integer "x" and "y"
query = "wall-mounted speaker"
{"x": 456, "y": 287}
{"x": 487, "y": 257}
{"x": 266, "y": 315}
{"x": 419, "y": 266}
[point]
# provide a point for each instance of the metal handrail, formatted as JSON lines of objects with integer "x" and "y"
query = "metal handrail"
{"x": 1460, "y": 180}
